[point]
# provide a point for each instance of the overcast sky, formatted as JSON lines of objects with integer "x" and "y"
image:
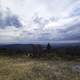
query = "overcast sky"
{"x": 27, "y": 21}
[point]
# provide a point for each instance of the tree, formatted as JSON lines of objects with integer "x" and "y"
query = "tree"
{"x": 48, "y": 47}
{"x": 40, "y": 50}
{"x": 37, "y": 50}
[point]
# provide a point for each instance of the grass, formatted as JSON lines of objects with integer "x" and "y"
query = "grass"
{"x": 24, "y": 68}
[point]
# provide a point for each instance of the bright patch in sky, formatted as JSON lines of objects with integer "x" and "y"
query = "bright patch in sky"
{"x": 27, "y": 21}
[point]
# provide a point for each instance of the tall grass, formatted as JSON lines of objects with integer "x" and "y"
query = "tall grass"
{"x": 24, "y": 68}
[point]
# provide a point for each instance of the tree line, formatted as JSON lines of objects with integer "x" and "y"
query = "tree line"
{"x": 37, "y": 50}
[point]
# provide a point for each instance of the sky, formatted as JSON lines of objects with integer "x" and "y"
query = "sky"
{"x": 39, "y": 21}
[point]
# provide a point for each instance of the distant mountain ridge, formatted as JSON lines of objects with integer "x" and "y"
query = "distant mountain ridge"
{"x": 29, "y": 46}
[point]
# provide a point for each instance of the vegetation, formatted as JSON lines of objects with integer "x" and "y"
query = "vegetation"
{"x": 24, "y": 68}
{"x": 39, "y": 51}
{"x": 40, "y": 63}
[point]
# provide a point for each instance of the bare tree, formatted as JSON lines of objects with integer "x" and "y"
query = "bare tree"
{"x": 37, "y": 50}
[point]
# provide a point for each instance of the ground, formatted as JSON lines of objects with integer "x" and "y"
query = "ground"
{"x": 24, "y": 68}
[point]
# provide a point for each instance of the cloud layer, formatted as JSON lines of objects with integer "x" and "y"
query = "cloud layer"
{"x": 39, "y": 21}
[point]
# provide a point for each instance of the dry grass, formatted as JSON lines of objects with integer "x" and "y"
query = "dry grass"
{"x": 23, "y": 68}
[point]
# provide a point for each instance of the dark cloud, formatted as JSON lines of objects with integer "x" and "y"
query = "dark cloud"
{"x": 12, "y": 21}
{"x": 9, "y": 20}
{"x": 72, "y": 32}
{"x": 76, "y": 12}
